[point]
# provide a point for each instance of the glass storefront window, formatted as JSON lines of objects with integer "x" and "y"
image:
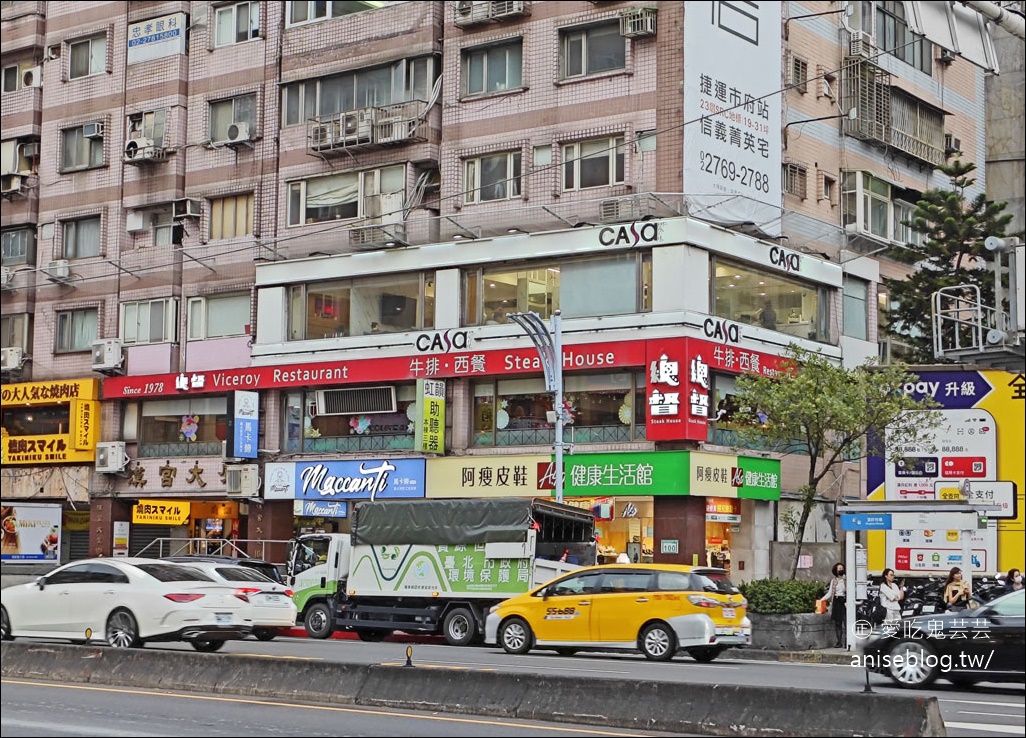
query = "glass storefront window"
{"x": 619, "y": 284}
{"x": 183, "y": 427}
{"x": 601, "y": 408}
{"x": 747, "y": 295}
{"x": 353, "y": 432}
{"x": 37, "y": 421}
{"x": 358, "y": 307}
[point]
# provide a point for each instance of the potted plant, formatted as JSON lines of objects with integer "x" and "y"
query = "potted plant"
{"x": 783, "y": 615}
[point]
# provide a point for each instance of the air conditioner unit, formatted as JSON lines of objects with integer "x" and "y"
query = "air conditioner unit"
{"x": 108, "y": 355}
{"x": 10, "y": 358}
{"x": 357, "y": 127}
{"x": 185, "y": 208}
{"x": 324, "y": 135}
{"x": 952, "y": 145}
{"x": 30, "y": 150}
{"x": 32, "y": 77}
{"x": 393, "y": 130}
{"x": 946, "y": 56}
{"x": 53, "y": 52}
{"x": 619, "y": 210}
{"x": 6, "y": 278}
{"x": 93, "y": 130}
{"x": 479, "y": 11}
{"x": 636, "y": 22}
{"x": 238, "y": 133}
{"x": 860, "y": 43}
{"x": 10, "y": 184}
{"x": 111, "y": 457}
{"x": 58, "y": 270}
{"x": 242, "y": 480}
{"x": 140, "y": 148}
{"x": 387, "y": 236}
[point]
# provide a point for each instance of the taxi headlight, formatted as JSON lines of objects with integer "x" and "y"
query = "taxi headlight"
{"x": 493, "y": 608}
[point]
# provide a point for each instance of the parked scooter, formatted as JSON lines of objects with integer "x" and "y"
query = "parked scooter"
{"x": 924, "y": 598}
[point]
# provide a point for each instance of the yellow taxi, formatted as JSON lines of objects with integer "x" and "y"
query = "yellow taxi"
{"x": 658, "y": 609}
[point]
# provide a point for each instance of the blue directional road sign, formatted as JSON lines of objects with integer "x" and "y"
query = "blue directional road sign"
{"x": 866, "y": 521}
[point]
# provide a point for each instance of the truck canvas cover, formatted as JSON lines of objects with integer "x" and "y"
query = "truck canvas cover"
{"x": 464, "y": 521}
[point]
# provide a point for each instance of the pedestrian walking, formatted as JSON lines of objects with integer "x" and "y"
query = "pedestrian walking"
{"x": 891, "y": 595}
{"x": 837, "y": 597}
{"x": 956, "y": 590}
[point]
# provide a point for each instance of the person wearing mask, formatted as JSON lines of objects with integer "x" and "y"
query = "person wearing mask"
{"x": 891, "y": 595}
{"x": 837, "y": 596}
{"x": 956, "y": 591}
{"x": 1013, "y": 582}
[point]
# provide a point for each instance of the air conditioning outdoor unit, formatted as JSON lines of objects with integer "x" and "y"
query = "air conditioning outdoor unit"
{"x": 620, "y": 210}
{"x": 952, "y": 145}
{"x": 10, "y": 184}
{"x": 58, "y": 270}
{"x": 93, "y": 130}
{"x": 387, "y": 236}
{"x": 636, "y": 22}
{"x": 139, "y": 149}
{"x": 111, "y": 457}
{"x": 242, "y": 480}
{"x": 357, "y": 127}
{"x": 469, "y": 12}
{"x": 392, "y": 130}
{"x": 108, "y": 355}
{"x": 30, "y": 150}
{"x": 6, "y": 278}
{"x": 32, "y": 77}
{"x": 860, "y": 43}
{"x": 10, "y": 358}
{"x": 185, "y": 208}
{"x": 238, "y": 133}
{"x": 324, "y": 135}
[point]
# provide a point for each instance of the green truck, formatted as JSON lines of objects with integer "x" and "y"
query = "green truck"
{"x": 433, "y": 566}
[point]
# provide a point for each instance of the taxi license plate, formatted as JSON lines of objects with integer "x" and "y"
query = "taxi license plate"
{"x": 728, "y": 612}
{"x": 223, "y": 618}
{"x": 273, "y": 598}
{"x": 725, "y": 631}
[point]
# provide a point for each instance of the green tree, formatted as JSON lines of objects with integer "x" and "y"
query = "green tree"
{"x": 951, "y": 253}
{"x": 830, "y": 414}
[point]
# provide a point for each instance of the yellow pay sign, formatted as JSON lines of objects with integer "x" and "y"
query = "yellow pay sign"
{"x": 952, "y": 535}
{"x": 949, "y": 493}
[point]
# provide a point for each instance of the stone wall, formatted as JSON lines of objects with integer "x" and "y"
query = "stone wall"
{"x": 792, "y": 632}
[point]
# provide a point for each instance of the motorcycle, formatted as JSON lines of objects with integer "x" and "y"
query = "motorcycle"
{"x": 924, "y": 598}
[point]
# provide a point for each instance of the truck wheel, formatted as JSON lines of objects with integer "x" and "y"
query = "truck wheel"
{"x": 372, "y": 636}
{"x": 704, "y": 655}
{"x": 317, "y": 621}
{"x": 515, "y": 636}
{"x": 459, "y": 627}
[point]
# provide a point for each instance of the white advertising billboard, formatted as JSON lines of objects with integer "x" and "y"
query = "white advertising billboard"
{"x": 31, "y": 532}
{"x": 732, "y": 112}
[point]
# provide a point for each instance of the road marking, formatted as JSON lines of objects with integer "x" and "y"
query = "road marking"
{"x": 992, "y": 714}
{"x": 1020, "y": 705}
{"x": 1009, "y": 729}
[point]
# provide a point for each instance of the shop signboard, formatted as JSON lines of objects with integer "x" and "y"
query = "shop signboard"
{"x": 76, "y": 520}
{"x": 625, "y": 474}
{"x": 723, "y": 475}
{"x": 31, "y": 532}
{"x": 121, "y": 530}
{"x": 243, "y": 427}
{"x": 161, "y": 512}
{"x": 489, "y": 476}
{"x": 320, "y": 508}
{"x": 722, "y": 510}
{"x": 429, "y": 429}
{"x": 366, "y": 479}
{"x": 156, "y": 38}
{"x": 74, "y": 401}
{"x": 667, "y": 405}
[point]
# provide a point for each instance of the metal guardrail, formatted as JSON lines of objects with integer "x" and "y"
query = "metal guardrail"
{"x": 160, "y": 548}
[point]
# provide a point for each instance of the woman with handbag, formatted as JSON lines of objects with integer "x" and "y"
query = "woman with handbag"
{"x": 956, "y": 591}
{"x": 837, "y": 597}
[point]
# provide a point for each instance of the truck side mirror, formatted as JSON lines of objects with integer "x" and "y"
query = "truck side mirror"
{"x": 41, "y": 582}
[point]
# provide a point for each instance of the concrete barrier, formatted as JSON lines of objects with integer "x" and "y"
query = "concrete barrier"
{"x": 706, "y": 709}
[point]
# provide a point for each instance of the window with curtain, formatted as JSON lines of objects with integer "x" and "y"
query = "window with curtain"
{"x": 16, "y": 330}
{"x": 79, "y": 151}
{"x": 149, "y": 321}
{"x": 492, "y": 68}
{"x": 224, "y": 113}
{"x": 495, "y": 177}
{"x": 237, "y": 23}
{"x": 342, "y": 196}
{"x": 593, "y": 50}
{"x": 76, "y": 330}
{"x": 231, "y": 217}
{"x": 595, "y": 163}
{"x": 608, "y": 286}
{"x": 19, "y": 246}
{"x": 216, "y": 316}
{"x": 81, "y": 238}
{"x": 856, "y": 311}
{"x": 183, "y": 427}
{"x": 149, "y": 125}
{"x": 88, "y": 56}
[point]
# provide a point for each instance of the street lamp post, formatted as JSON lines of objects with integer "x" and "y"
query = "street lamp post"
{"x": 550, "y": 348}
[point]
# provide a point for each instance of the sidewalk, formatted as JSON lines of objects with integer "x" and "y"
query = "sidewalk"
{"x": 823, "y": 656}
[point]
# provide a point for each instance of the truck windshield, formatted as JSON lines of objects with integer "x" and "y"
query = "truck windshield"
{"x": 309, "y": 552}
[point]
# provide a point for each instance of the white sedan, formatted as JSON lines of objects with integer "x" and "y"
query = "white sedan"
{"x": 127, "y": 602}
{"x": 273, "y": 607}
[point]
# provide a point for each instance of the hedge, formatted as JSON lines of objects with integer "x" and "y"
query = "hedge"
{"x": 782, "y": 595}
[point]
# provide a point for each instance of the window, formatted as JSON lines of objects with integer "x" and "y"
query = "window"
{"x": 231, "y": 217}
{"x": 193, "y": 426}
{"x": 13, "y": 76}
{"x": 163, "y": 228}
{"x": 308, "y": 11}
{"x": 593, "y": 163}
{"x": 800, "y": 74}
{"x": 903, "y": 231}
{"x": 16, "y": 330}
{"x": 149, "y": 321}
{"x": 88, "y": 57}
{"x": 610, "y": 285}
{"x": 856, "y": 314}
{"x": 894, "y": 36}
{"x": 741, "y": 294}
{"x": 401, "y": 81}
{"x": 81, "y": 151}
{"x": 81, "y": 238}
{"x": 796, "y": 179}
{"x": 76, "y": 330}
{"x": 19, "y": 156}
{"x": 224, "y": 113}
{"x": 827, "y": 188}
{"x": 237, "y": 23}
{"x": 869, "y": 206}
{"x": 345, "y": 196}
{"x": 350, "y": 431}
{"x": 19, "y": 246}
{"x": 492, "y": 69}
{"x": 495, "y": 177}
{"x": 592, "y": 50}
{"x": 217, "y": 316}
{"x": 357, "y": 307}
{"x": 150, "y": 124}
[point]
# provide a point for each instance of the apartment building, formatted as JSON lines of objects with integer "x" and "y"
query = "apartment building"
{"x": 278, "y": 234}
